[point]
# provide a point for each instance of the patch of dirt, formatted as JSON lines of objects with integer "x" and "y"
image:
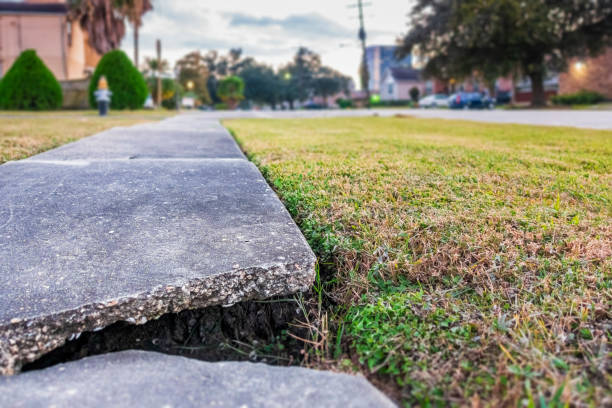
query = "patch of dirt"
{"x": 253, "y": 330}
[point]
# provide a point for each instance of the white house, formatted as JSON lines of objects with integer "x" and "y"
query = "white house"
{"x": 397, "y": 83}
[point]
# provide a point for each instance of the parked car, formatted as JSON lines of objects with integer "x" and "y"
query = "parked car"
{"x": 503, "y": 97}
{"x": 470, "y": 100}
{"x": 434, "y": 101}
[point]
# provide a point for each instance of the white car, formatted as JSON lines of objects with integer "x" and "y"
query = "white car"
{"x": 434, "y": 101}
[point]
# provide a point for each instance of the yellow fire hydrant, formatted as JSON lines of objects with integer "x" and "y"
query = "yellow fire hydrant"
{"x": 103, "y": 96}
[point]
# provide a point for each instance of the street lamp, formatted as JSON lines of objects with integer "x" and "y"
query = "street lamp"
{"x": 579, "y": 66}
{"x": 190, "y": 85}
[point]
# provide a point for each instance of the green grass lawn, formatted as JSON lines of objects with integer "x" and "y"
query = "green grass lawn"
{"x": 23, "y": 134}
{"x": 463, "y": 263}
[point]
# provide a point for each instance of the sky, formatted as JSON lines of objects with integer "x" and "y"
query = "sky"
{"x": 270, "y": 30}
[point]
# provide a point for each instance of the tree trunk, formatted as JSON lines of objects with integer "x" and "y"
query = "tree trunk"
{"x": 538, "y": 96}
{"x": 136, "y": 46}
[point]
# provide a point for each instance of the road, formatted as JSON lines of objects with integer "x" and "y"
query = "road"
{"x": 572, "y": 118}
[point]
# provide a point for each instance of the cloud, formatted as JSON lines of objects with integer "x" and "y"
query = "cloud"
{"x": 304, "y": 25}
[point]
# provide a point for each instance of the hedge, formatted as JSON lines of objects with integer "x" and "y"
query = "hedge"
{"x": 579, "y": 98}
{"x": 30, "y": 85}
{"x": 128, "y": 86}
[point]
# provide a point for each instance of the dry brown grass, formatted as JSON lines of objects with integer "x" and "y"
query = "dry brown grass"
{"x": 23, "y": 134}
{"x": 471, "y": 264}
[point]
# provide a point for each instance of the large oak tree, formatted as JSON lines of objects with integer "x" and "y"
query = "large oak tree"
{"x": 506, "y": 37}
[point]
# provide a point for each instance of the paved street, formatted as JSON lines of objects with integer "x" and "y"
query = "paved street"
{"x": 572, "y": 118}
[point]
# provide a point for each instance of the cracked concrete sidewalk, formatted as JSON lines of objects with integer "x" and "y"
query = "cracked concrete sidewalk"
{"x": 134, "y": 223}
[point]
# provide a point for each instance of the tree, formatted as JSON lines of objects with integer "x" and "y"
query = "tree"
{"x": 330, "y": 82}
{"x": 133, "y": 10}
{"x": 193, "y": 75}
{"x": 504, "y": 37}
{"x": 303, "y": 70}
{"x": 153, "y": 67}
{"x": 99, "y": 18}
{"x": 262, "y": 85}
{"x": 125, "y": 82}
{"x": 170, "y": 88}
{"x": 30, "y": 85}
{"x": 231, "y": 90}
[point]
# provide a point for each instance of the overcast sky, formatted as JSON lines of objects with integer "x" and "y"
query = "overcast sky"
{"x": 270, "y": 30}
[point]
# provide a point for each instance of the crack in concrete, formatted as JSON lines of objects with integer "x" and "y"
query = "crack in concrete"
{"x": 24, "y": 341}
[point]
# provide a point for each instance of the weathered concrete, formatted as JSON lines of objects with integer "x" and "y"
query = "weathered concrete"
{"x": 142, "y": 379}
{"x": 88, "y": 239}
{"x": 148, "y": 142}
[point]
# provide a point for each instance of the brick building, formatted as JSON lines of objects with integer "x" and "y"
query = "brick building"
{"x": 593, "y": 74}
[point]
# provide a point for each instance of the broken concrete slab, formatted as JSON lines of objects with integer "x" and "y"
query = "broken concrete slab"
{"x": 144, "y": 379}
{"x": 140, "y": 142}
{"x": 87, "y": 243}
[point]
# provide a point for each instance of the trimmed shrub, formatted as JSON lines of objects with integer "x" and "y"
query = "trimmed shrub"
{"x": 231, "y": 90}
{"x": 30, "y": 85}
{"x": 344, "y": 103}
{"x": 125, "y": 82}
{"x": 579, "y": 98}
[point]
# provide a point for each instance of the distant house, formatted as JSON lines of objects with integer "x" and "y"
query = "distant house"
{"x": 43, "y": 25}
{"x": 379, "y": 59}
{"x": 397, "y": 83}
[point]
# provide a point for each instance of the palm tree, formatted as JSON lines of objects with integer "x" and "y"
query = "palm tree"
{"x": 104, "y": 21}
{"x": 98, "y": 18}
{"x": 155, "y": 68}
{"x": 133, "y": 10}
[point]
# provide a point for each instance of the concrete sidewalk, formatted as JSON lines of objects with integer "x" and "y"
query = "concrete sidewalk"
{"x": 134, "y": 223}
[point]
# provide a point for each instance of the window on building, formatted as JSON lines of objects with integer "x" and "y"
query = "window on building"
{"x": 390, "y": 88}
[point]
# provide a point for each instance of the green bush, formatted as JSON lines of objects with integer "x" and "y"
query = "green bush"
{"x": 125, "y": 82}
{"x": 221, "y": 106}
{"x": 30, "y": 85}
{"x": 583, "y": 97}
{"x": 170, "y": 88}
{"x": 344, "y": 103}
{"x": 231, "y": 90}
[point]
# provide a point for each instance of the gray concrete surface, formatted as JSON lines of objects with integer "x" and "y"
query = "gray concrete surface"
{"x": 143, "y": 379}
{"x": 571, "y": 118}
{"x": 89, "y": 237}
{"x": 147, "y": 142}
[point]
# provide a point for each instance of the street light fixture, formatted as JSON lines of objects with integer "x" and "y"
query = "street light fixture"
{"x": 190, "y": 85}
{"x": 579, "y": 66}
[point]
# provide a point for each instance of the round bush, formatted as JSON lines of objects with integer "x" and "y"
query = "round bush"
{"x": 30, "y": 85}
{"x": 125, "y": 82}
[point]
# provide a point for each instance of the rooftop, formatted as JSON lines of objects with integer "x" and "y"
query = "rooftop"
{"x": 7, "y": 7}
{"x": 405, "y": 74}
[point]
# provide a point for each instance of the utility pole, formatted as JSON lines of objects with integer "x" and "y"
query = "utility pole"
{"x": 364, "y": 72}
{"x": 159, "y": 79}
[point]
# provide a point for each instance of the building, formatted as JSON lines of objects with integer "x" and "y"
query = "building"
{"x": 397, "y": 83}
{"x": 379, "y": 59}
{"x": 592, "y": 74}
{"x": 43, "y": 25}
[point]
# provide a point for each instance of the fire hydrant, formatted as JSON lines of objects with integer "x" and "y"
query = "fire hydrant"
{"x": 103, "y": 96}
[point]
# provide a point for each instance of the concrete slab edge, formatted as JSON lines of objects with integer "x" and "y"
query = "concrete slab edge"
{"x": 24, "y": 341}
